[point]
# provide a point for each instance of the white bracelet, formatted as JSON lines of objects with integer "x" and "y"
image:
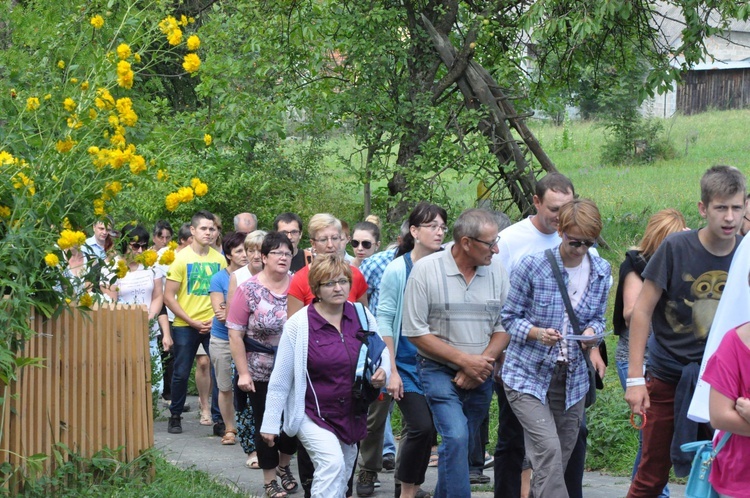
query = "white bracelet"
{"x": 635, "y": 381}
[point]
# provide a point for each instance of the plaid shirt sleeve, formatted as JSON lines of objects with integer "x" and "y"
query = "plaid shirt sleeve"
{"x": 372, "y": 268}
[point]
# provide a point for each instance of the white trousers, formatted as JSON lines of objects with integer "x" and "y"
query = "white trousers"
{"x": 332, "y": 459}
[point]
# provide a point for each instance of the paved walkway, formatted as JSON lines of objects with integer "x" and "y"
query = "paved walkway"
{"x": 198, "y": 448}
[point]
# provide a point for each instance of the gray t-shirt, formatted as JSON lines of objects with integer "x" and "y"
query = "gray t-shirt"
{"x": 439, "y": 301}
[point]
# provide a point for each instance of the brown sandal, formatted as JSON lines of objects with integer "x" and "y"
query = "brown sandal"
{"x": 230, "y": 438}
{"x": 288, "y": 482}
{"x": 273, "y": 490}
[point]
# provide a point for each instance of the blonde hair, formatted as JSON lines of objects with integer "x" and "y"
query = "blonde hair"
{"x": 320, "y": 222}
{"x": 581, "y": 213}
{"x": 374, "y": 219}
{"x": 660, "y": 225}
{"x": 255, "y": 239}
{"x": 325, "y": 267}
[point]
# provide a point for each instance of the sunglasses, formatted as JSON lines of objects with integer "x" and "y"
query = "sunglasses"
{"x": 578, "y": 243}
{"x": 365, "y": 243}
{"x": 139, "y": 245}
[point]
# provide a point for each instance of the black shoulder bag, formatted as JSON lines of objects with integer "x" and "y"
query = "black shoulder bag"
{"x": 595, "y": 381}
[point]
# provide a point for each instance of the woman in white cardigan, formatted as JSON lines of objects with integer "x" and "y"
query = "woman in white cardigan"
{"x": 312, "y": 384}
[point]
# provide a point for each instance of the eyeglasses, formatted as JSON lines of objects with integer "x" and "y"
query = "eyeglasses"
{"x": 333, "y": 283}
{"x": 281, "y": 254}
{"x": 489, "y": 245}
{"x": 365, "y": 243}
{"x": 578, "y": 243}
{"x": 290, "y": 233}
{"x": 139, "y": 245}
{"x": 434, "y": 227}
{"x": 324, "y": 240}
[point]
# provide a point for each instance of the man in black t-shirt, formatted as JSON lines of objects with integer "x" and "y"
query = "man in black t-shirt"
{"x": 290, "y": 225}
{"x": 683, "y": 282}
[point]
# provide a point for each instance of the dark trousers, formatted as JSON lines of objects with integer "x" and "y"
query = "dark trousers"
{"x": 167, "y": 361}
{"x": 268, "y": 458}
{"x": 415, "y": 448}
{"x": 186, "y": 341}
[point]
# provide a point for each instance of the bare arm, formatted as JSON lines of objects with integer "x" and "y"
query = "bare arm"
{"x": 725, "y": 416}
{"x": 157, "y": 299}
{"x": 293, "y": 305}
{"x": 640, "y": 323}
{"x": 237, "y": 346}
{"x": 395, "y": 385}
{"x": 219, "y": 306}
{"x": 230, "y": 293}
{"x": 630, "y": 290}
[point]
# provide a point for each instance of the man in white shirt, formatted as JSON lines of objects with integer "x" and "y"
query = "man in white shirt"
{"x": 529, "y": 236}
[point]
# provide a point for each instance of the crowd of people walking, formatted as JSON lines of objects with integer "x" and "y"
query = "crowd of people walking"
{"x": 290, "y": 338}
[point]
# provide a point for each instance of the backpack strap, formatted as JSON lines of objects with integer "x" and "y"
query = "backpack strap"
{"x": 364, "y": 324}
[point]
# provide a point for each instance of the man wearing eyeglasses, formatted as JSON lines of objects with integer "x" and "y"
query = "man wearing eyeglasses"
{"x": 451, "y": 313}
{"x": 534, "y": 234}
{"x": 290, "y": 225}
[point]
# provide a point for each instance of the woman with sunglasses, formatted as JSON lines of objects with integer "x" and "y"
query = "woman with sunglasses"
{"x": 256, "y": 317}
{"x": 545, "y": 374}
{"x": 140, "y": 285}
{"x": 312, "y": 383}
{"x": 365, "y": 241}
{"x": 426, "y": 233}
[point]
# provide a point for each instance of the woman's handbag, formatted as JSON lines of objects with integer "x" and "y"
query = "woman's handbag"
{"x": 595, "y": 380}
{"x": 368, "y": 361}
{"x": 698, "y": 485}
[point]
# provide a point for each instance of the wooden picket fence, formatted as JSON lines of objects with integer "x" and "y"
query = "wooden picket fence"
{"x": 93, "y": 392}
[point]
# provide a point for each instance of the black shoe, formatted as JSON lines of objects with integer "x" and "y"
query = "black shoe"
{"x": 389, "y": 462}
{"x": 185, "y": 408}
{"x": 219, "y": 429}
{"x": 366, "y": 483}
{"x": 175, "y": 425}
{"x": 166, "y": 396}
{"x": 478, "y": 479}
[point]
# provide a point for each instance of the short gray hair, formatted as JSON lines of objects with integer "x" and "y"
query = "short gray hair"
{"x": 471, "y": 222}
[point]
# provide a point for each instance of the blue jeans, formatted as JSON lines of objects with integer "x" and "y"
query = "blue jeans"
{"x": 389, "y": 444}
{"x": 458, "y": 415}
{"x": 622, "y": 373}
{"x": 186, "y": 341}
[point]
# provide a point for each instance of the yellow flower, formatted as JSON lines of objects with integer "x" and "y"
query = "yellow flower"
{"x": 168, "y": 24}
{"x": 66, "y": 223}
{"x": 137, "y": 164}
{"x": 74, "y": 80}
{"x": 123, "y": 51}
{"x": 74, "y": 122}
{"x": 186, "y": 194}
{"x": 201, "y": 189}
{"x": 85, "y": 86}
{"x": 4, "y": 212}
{"x": 124, "y": 75}
{"x": 5, "y": 158}
{"x": 66, "y": 145}
{"x": 175, "y": 37}
{"x": 99, "y": 207}
{"x": 161, "y": 175}
{"x": 97, "y": 21}
{"x": 61, "y": 64}
{"x": 113, "y": 187}
{"x": 104, "y": 99}
{"x": 191, "y": 63}
{"x": 183, "y": 20}
{"x": 85, "y": 300}
{"x": 193, "y": 42}
{"x": 172, "y": 245}
{"x": 207, "y": 139}
{"x": 32, "y": 103}
{"x": 21, "y": 181}
{"x": 51, "y": 259}
{"x": 147, "y": 258}
{"x": 48, "y": 96}
{"x": 172, "y": 201}
{"x": 194, "y": 182}
{"x": 69, "y": 238}
{"x": 69, "y": 104}
{"x": 127, "y": 116}
{"x": 137, "y": 57}
{"x": 167, "y": 257}
{"x": 122, "y": 268}
{"x": 92, "y": 114}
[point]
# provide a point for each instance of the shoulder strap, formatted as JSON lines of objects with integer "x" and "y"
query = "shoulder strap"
{"x": 561, "y": 285}
{"x": 720, "y": 444}
{"x": 364, "y": 324}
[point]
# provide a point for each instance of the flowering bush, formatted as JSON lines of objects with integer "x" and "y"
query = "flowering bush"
{"x": 75, "y": 137}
